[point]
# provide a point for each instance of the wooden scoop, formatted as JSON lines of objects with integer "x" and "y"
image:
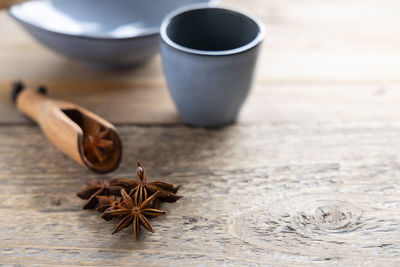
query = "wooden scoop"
{"x": 79, "y": 133}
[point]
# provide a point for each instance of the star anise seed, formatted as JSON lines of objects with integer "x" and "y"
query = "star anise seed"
{"x": 127, "y": 183}
{"x": 107, "y": 203}
{"x": 97, "y": 148}
{"x": 167, "y": 191}
{"x": 97, "y": 188}
{"x": 135, "y": 212}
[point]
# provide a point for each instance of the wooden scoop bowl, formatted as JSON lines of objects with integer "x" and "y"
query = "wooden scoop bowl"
{"x": 82, "y": 135}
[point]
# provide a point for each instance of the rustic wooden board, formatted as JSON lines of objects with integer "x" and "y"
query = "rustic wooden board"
{"x": 271, "y": 195}
{"x": 269, "y": 103}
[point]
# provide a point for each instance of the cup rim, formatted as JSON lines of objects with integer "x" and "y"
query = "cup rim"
{"x": 253, "y": 43}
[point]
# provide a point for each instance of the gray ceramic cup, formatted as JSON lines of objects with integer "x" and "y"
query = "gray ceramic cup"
{"x": 209, "y": 56}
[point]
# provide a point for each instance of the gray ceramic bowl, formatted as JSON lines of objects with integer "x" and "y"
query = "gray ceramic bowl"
{"x": 105, "y": 33}
{"x": 209, "y": 55}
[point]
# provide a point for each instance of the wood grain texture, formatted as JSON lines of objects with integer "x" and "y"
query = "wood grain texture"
{"x": 323, "y": 194}
{"x": 309, "y": 176}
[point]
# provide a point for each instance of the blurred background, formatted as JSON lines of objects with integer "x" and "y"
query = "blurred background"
{"x": 310, "y": 43}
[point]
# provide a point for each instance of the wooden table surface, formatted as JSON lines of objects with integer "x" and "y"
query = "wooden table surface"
{"x": 309, "y": 176}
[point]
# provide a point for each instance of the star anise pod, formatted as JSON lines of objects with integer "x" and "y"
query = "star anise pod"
{"x": 97, "y": 188}
{"x": 135, "y": 212}
{"x": 167, "y": 191}
{"x": 97, "y": 147}
{"x": 107, "y": 203}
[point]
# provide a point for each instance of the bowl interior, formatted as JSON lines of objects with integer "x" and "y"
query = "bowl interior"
{"x": 98, "y": 18}
{"x": 212, "y": 29}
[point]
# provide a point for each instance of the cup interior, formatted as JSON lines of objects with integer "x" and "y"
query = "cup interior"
{"x": 212, "y": 29}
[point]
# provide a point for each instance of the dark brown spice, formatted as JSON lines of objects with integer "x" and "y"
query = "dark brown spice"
{"x": 135, "y": 212}
{"x": 107, "y": 203}
{"x": 97, "y": 147}
{"x": 167, "y": 191}
{"x": 136, "y": 208}
{"x": 97, "y": 188}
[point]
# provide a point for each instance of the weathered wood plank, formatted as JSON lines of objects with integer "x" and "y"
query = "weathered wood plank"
{"x": 272, "y": 195}
{"x": 268, "y": 103}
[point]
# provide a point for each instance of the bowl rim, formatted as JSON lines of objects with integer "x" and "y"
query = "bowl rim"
{"x": 149, "y": 32}
{"x": 253, "y": 43}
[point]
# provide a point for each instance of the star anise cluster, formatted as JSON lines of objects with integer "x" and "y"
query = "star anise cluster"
{"x": 133, "y": 201}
